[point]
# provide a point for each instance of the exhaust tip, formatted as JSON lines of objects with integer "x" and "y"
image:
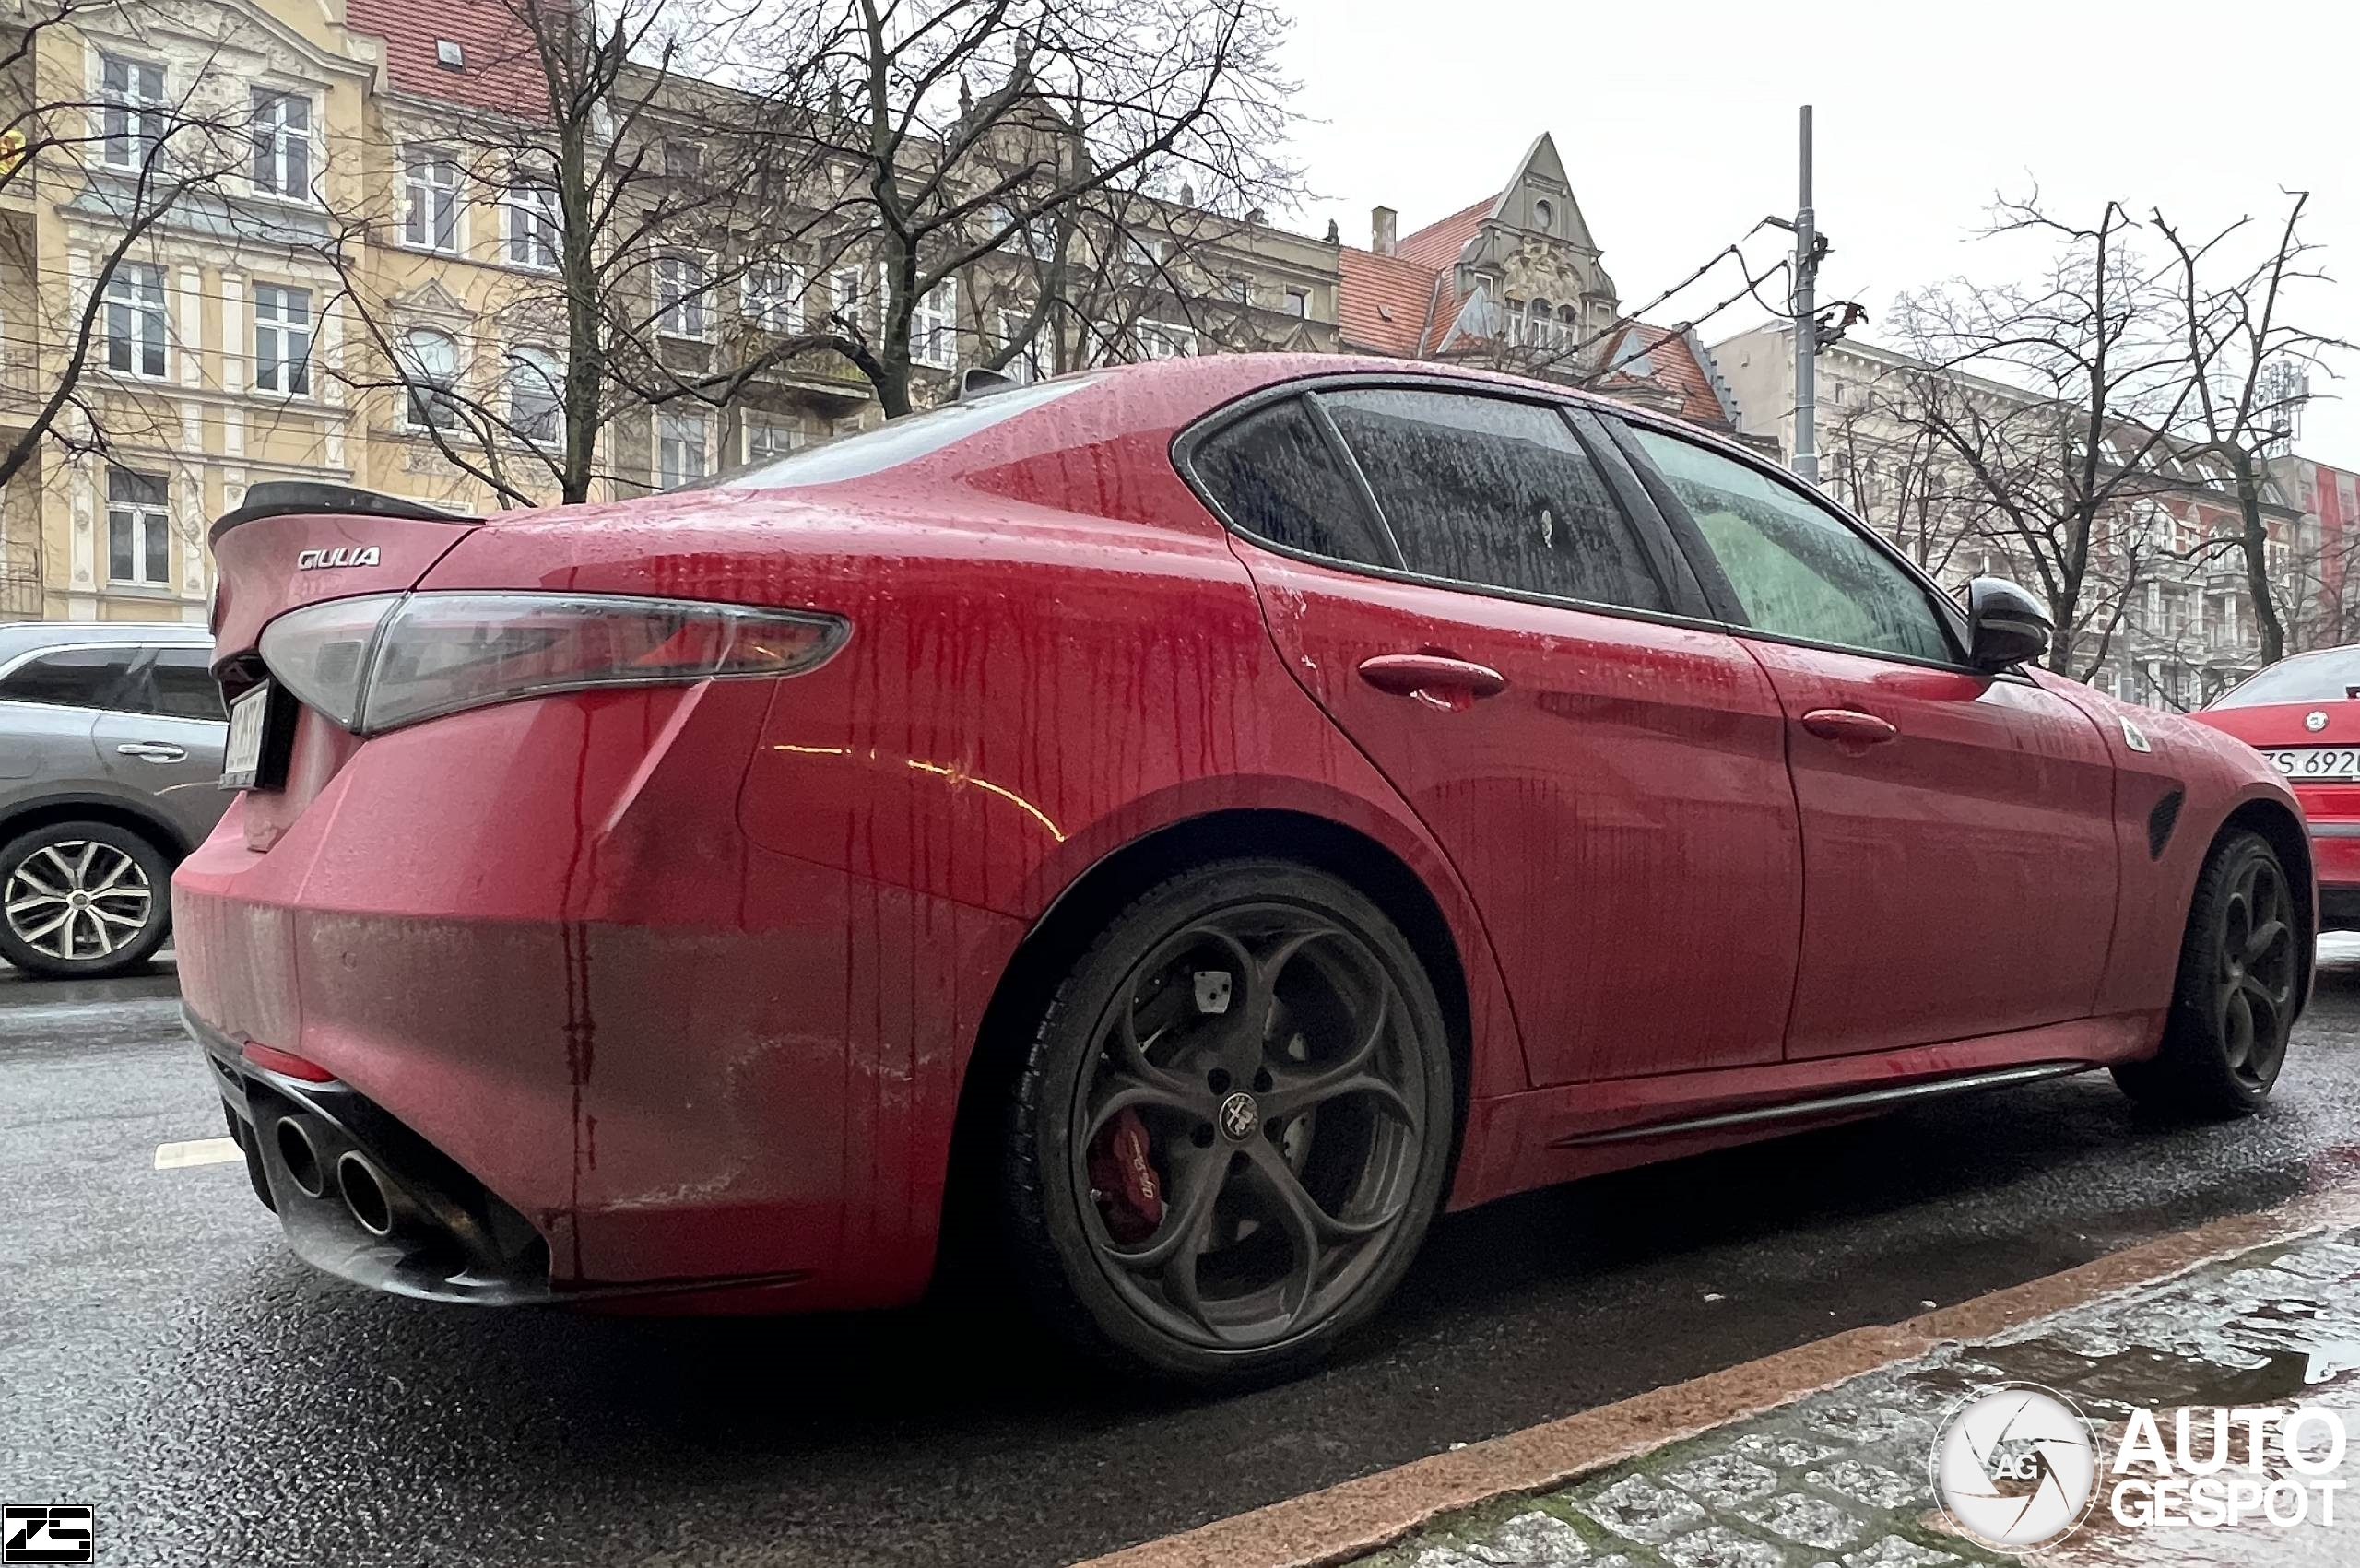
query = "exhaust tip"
{"x": 364, "y": 1193}
{"x": 300, "y": 1157}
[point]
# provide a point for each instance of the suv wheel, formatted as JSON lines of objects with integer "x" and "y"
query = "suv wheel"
{"x": 82, "y": 898}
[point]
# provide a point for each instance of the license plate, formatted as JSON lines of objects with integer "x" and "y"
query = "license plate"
{"x": 2325, "y": 763}
{"x": 249, "y": 724}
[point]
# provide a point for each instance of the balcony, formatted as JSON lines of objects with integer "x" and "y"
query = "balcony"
{"x": 1542, "y": 335}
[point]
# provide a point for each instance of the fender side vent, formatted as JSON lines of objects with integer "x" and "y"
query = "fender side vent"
{"x": 2161, "y": 820}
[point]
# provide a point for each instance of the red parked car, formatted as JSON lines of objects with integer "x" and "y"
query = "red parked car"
{"x": 2301, "y": 714}
{"x": 1192, "y": 822}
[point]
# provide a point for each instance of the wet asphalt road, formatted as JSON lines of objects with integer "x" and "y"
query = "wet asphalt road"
{"x": 163, "y": 1358}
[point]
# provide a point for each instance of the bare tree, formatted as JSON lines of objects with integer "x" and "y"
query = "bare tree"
{"x": 643, "y": 220}
{"x": 945, "y": 132}
{"x": 2094, "y": 344}
{"x": 122, "y": 160}
{"x": 2245, "y": 360}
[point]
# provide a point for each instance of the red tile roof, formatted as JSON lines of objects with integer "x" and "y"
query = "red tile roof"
{"x": 1382, "y": 302}
{"x": 502, "y": 68}
{"x": 1672, "y": 369}
{"x": 1436, "y": 246}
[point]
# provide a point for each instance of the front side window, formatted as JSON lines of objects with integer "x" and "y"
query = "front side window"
{"x": 70, "y": 677}
{"x": 136, "y": 324}
{"x": 1494, "y": 493}
{"x": 536, "y": 394}
{"x": 1273, "y": 474}
{"x": 681, "y": 296}
{"x": 431, "y": 201}
{"x": 131, "y": 112}
{"x": 282, "y": 140}
{"x": 283, "y": 339}
{"x": 679, "y": 448}
{"x": 1799, "y": 570}
{"x": 138, "y": 529}
{"x": 430, "y": 371}
{"x": 535, "y": 235}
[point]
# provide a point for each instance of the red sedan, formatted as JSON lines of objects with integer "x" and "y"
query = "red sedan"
{"x": 2301, "y": 714}
{"x": 1181, "y": 827}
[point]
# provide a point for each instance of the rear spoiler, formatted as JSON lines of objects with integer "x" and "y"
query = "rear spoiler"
{"x": 308, "y": 498}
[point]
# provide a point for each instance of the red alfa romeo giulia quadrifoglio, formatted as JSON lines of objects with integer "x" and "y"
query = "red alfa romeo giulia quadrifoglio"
{"x": 1200, "y": 819}
{"x": 2303, "y": 715}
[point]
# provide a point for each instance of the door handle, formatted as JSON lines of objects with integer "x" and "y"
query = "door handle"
{"x": 1437, "y": 679}
{"x": 1848, "y": 727}
{"x": 152, "y": 752}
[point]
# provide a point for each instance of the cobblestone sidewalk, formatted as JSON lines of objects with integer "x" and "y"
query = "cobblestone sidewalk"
{"x": 1843, "y": 1477}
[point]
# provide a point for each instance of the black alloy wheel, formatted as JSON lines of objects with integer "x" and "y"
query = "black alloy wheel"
{"x": 1236, "y": 1125}
{"x": 2238, "y": 989}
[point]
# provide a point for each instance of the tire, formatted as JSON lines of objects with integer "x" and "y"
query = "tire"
{"x": 110, "y": 887}
{"x": 1216, "y": 1201}
{"x": 2237, "y": 994}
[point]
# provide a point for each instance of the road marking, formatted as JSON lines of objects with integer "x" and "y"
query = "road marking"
{"x": 200, "y": 1151}
{"x": 1356, "y": 1517}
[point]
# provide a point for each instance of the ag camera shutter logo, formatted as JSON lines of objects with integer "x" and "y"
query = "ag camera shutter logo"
{"x": 2015, "y": 1467}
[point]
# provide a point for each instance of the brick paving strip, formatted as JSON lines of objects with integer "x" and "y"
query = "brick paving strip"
{"x": 1819, "y": 1454}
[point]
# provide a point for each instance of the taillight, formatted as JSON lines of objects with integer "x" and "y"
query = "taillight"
{"x": 384, "y": 660}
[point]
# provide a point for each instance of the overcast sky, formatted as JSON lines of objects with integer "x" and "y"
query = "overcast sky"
{"x": 1677, "y": 125}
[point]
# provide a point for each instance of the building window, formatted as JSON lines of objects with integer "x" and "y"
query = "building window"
{"x": 430, "y": 369}
{"x": 844, "y": 295}
{"x": 1299, "y": 303}
{"x": 774, "y": 297}
{"x": 430, "y": 207}
{"x": 131, "y": 112}
{"x": 282, "y": 340}
{"x": 681, "y": 291}
{"x": 767, "y": 442}
{"x": 536, "y": 236}
{"x": 1240, "y": 290}
{"x": 679, "y": 447}
{"x": 683, "y": 160}
{"x": 1161, "y": 340}
{"x": 136, "y": 323}
{"x": 934, "y": 326}
{"x": 282, "y": 137}
{"x": 536, "y": 394}
{"x": 1023, "y": 367}
{"x": 139, "y": 533}
{"x": 1542, "y": 216}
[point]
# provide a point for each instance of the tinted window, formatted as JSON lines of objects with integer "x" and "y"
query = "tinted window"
{"x": 78, "y": 678}
{"x": 1798, "y": 569}
{"x": 1483, "y": 490}
{"x": 2326, "y": 676}
{"x": 179, "y": 686}
{"x": 1274, "y": 476}
{"x": 903, "y": 441}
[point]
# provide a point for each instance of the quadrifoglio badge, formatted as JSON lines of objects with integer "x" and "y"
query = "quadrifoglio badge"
{"x": 2019, "y": 1467}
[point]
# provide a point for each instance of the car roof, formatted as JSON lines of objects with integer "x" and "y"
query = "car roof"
{"x": 29, "y": 636}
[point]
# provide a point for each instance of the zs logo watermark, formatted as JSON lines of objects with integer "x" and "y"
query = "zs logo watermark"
{"x": 45, "y": 1532}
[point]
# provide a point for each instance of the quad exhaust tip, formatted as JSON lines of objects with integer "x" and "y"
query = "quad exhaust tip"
{"x": 300, "y": 1156}
{"x": 365, "y": 1194}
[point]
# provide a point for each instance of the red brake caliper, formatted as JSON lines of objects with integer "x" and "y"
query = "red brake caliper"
{"x": 1128, "y": 1189}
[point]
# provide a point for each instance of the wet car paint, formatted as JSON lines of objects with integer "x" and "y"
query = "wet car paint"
{"x": 693, "y": 978}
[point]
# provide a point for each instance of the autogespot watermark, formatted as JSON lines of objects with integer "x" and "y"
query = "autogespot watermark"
{"x": 2019, "y": 1467}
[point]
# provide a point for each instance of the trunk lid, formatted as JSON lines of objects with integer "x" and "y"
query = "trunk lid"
{"x": 300, "y": 544}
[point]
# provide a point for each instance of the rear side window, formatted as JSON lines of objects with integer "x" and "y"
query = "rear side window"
{"x": 70, "y": 677}
{"x": 179, "y": 686}
{"x": 1273, "y": 474}
{"x": 1493, "y": 492}
{"x": 1798, "y": 569}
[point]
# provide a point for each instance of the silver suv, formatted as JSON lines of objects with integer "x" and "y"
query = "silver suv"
{"x": 111, "y": 740}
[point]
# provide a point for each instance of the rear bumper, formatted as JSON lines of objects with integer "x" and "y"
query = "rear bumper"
{"x": 2335, "y": 859}
{"x": 534, "y": 939}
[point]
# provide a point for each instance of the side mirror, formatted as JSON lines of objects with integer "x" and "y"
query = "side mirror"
{"x": 2005, "y": 625}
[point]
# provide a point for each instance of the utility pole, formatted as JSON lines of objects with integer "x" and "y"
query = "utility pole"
{"x": 1806, "y": 308}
